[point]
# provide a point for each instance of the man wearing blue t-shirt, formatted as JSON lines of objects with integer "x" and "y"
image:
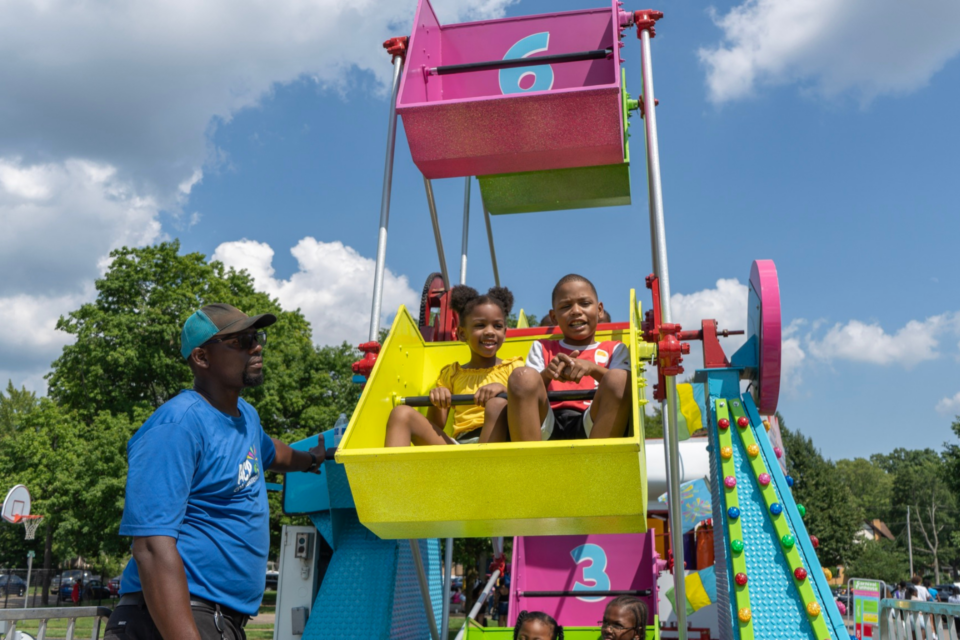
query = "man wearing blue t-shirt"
{"x": 196, "y": 502}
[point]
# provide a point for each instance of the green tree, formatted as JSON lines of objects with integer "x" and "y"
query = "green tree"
{"x": 881, "y": 559}
{"x": 832, "y": 512}
{"x": 871, "y": 485}
{"x": 15, "y": 404}
{"x": 921, "y": 482}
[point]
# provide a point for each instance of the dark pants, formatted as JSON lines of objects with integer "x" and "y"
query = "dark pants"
{"x": 133, "y": 622}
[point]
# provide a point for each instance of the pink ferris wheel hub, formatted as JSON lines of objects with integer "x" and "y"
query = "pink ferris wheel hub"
{"x": 765, "y": 327}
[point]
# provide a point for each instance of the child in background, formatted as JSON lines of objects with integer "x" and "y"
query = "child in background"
{"x": 625, "y": 618}
{"x": 536, "y": 625}
{"x": 576, "y": 362}
{"x": 483, "y": 326}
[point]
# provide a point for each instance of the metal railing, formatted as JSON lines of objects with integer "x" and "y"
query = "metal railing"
{"x": 914, "y": 620}
{"x": 11, "y": 617}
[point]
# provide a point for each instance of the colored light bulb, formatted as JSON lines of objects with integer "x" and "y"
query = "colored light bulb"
{"x": 723, "y": 423}
{"x": 743, "y": 422}
{"x": 733, "y": 512}
{"x": 726, "y": 453}
{"x": 802, "y": 509}
{"x": 815, "y": 541}
{"x": 753, "y": 451}
{"x": 813, "y": 609}
{"x": 736, "y": 545}
{"x": 778, "y": 452}
{"x": 776, "y": 509}
{"x": 788, "y": 540}
{"x": 764, "y": 479}
{"x": 800, "y": 574}
{"x": 744, "y": 615}
{"x": 789, "y": 481}
{"x": 740, "y": 579}
{"x": 730, "y": 482}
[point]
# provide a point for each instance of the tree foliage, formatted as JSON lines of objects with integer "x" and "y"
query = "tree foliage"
{"x": 881, "y": 559}
{"x": 832, "y": 512}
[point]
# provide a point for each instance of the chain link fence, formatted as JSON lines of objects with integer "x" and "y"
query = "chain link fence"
{"x": 54, "y": 588}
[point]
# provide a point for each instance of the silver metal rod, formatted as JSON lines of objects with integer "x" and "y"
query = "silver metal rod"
{"x": 432, "y": 203}
{"x": 662, "y": 272}
{"x": 26, "y": 596}
{"x": 385, "y": 204}
{"x": 447, "y": 580}
{"x": 909, "y": 542}
{"x": 424, "y": 588}
{"x": 493, "y": 252}
{"x": 480, "y": 601}
{"x": 466, "y": 230}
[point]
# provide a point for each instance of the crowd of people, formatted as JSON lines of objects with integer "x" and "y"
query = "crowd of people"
{"x": 923, "y": 591}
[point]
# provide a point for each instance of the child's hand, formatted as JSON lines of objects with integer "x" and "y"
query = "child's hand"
{"x": 440, "y": 397}
{"x": 577, "y": 369}
{"x": 559, "y": 363}
{"x": 486, "y": 393}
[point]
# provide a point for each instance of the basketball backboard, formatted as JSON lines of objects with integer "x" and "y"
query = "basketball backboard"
{"x": 16, "y": 504}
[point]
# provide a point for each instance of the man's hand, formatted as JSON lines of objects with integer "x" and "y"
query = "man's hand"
{"x": 321, "y": 453}
{"x": 440, "y": 397}
{"x": 486, "y": 393}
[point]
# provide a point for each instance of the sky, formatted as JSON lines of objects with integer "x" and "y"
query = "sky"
{"x": 818, "y": 135}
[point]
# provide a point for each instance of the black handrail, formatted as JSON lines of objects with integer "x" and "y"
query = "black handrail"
{"x": 595, "y": 54}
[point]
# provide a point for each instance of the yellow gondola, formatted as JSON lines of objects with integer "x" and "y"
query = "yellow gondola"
{"x": 502, "y": 489}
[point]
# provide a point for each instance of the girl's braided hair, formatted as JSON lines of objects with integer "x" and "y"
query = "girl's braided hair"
{"x": 464, "y": 299}
{"x": 542, "y": 617}
{"x": 635, "y": 606}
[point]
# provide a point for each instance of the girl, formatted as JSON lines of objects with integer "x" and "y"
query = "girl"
{"x": 536, "y": 625}
{"x": 625, "y": 618}
{"x": 483, "y": 326}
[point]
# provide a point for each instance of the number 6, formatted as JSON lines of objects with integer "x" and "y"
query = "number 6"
{"x": 510, "y": 79}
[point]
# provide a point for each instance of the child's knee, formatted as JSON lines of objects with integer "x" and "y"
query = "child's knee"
{"x": 616, "y": 381}
{"x": 524, "y": 381}
{"x": 401, "y": 414}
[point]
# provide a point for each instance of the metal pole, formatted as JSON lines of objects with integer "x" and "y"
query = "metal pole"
{"x": 26, "y": 595}
{"x": 662, "y": 272}
{"x": 909, "y": 541}
{"x": 466, "y": 230}
{"x": 480, "y": 601}
{"x": 493, "y": 252}
{"x": 424, "y": 588}
{"x": 447, "y": 581}
{"x": 385, "y": 204}
{"x": 436, "y": 231}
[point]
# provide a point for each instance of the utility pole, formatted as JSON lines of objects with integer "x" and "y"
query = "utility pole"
{"x": 909, "y": 541}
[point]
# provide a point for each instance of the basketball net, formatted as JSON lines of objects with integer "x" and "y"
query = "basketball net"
{"x": 30, "y": 523}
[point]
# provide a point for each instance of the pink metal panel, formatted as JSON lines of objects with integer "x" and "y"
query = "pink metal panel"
{"x": 612, "y": 562}
{"x": 464, "y": 124}
{"x": 764, "y": 282}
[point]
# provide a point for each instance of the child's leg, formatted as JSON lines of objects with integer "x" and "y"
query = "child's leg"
{"x": 494, "y": 421}
{"x": 407, "y": 425}
{"x": 610, "y": 409}
{"x": 527, "y": 404}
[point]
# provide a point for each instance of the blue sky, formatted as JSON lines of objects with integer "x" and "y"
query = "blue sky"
{"x": 784, "y": 134}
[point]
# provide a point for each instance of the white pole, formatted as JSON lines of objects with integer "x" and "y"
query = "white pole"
{"x": 480, "y": 601}
{"x": 670, "y": 432}
{"x": 438, "y": 239}
{"x": 466, "y": 230}
{"x": 447, "y": 581}
{"x": 26, "y": 595}
{"x": 385, "y": 204}
{"x": 493, "y": 252}
{"x": 424, "y": 588}
{"x": 909, "y": 541}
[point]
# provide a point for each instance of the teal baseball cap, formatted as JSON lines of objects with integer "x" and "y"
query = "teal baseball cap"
{"x": 218, "y": 319}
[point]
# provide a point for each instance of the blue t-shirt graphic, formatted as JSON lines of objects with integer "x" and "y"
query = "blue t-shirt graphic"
{"x": 196, "y": 475}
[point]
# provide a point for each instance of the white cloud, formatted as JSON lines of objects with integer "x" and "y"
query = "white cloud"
{"x": 864, "y": 47}
{"x": 915, "y": 342}
{"x": 726, "y": 303}
{"x": 333, "y": 286}
{"x": 949, "y": 405}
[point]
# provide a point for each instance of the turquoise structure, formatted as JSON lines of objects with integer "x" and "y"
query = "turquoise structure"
{"x": 370, "y": 587}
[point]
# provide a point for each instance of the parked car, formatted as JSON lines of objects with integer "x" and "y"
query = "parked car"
{"x": 95, "y": 590}
{"x": 66, "y": 579}
{"x": 12, "y": 585}
{"x": 114, "y": 586}
{"x": 273, "y": 576}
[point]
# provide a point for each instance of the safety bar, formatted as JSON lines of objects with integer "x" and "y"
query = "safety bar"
{"x": 43, "y": 615}
{"x": 468, "y": 398}
{"x": 579, "y": 56}
{"x": 583, "y": 593}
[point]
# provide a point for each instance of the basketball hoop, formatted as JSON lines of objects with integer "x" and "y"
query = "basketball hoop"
{"x": 30, "y": 523}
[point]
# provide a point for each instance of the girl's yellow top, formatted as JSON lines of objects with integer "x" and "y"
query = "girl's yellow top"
{"x": 463, "y": 381}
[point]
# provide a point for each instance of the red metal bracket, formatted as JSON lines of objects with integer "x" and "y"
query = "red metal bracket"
{"x": 397, "y": 47}
{"x": 670, "y": 350}
{"x": 641, "y": 106}
{"x": 364, "y": 365}
{"x": 647, "y": 19}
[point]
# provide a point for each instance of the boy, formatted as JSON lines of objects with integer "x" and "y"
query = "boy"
{"x": 576, "y": 362}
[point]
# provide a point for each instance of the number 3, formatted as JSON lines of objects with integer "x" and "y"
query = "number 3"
{"x": 594, "y": 573}
{"x": 510, "y": 79}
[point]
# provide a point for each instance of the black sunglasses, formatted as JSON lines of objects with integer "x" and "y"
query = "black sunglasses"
{"x": 244, "y": 341}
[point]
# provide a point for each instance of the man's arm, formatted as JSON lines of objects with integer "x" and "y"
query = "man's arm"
{"x": 289, "y": 459}
{"x": 165, "y": 586}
